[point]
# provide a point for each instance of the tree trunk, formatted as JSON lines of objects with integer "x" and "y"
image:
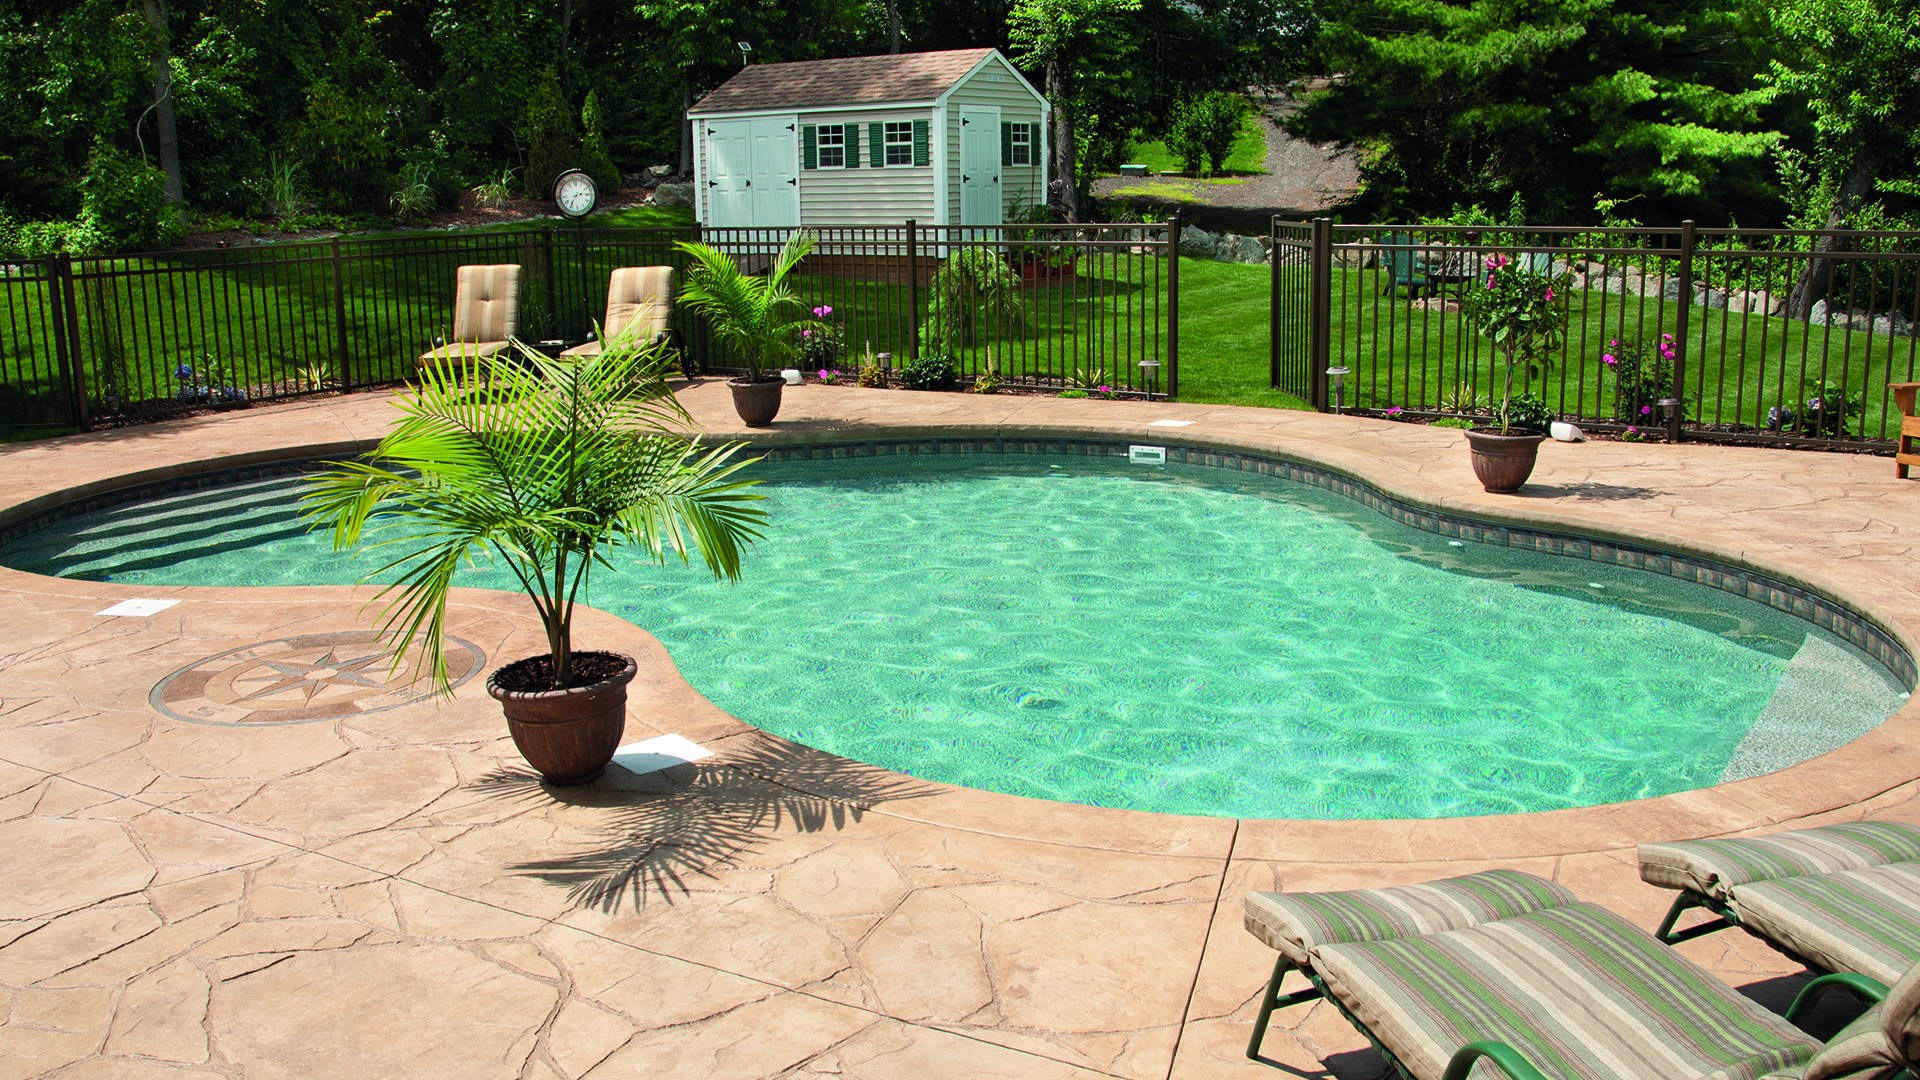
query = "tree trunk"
{"x": 1068, "y": 187}
{"x": 1818, "y": 272}
{"x": 163, "y": 99}
{"x": 684, "y": 169}
{"x": 893, "y": 26}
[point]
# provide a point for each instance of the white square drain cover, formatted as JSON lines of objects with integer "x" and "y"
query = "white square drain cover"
{"x": 137, "y": 606}
{"x": 664, "y": 752}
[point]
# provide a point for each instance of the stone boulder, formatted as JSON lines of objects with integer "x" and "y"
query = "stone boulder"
{"x": 1198, "y": 243}
{"x": 673, "y": 195}
{"x": 1240, "y": 249}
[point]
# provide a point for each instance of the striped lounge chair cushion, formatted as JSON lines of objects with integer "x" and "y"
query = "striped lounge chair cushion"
{"x": 1578, "y": 991}
{"x": 1715, "y": 867}
{"x": 1867, "y": 921}
{"x": 1878, "y": 1045}
{"x": 1295, "y": 923}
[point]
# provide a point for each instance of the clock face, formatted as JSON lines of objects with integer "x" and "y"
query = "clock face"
{"x": 575, "y": 193}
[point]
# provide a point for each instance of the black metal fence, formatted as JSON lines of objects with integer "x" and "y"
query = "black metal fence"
{"x": 102, "y": 339}
{"x": 1676, "y": 332}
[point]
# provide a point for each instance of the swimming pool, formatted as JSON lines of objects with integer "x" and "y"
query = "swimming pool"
{"x": 1176, "y": 638}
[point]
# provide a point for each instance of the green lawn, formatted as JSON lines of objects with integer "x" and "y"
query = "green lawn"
{"x": 1248, "y": 157}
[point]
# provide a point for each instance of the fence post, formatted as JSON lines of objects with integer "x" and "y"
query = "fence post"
{"x": 553, "y": 271}
{"x": 66, "y": 340}
{"x": 1675, "y": 412}
{"x": 913, "y": 289}
{"x": 341, "y": 354}
{"x": 1320, "y": 310}
{"x": 1273, "y": 302}
{"x": 1173, "y": 304}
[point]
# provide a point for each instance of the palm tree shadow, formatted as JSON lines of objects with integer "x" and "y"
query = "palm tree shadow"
{"x": 692, "y": 820}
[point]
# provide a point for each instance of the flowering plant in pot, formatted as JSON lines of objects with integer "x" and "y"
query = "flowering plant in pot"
{"x": 1515, "y": 310}
{"x": 550, "y": 467}
{"x": 759, "y": 319}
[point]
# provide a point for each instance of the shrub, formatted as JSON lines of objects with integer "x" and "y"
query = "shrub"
{"x": 1528, "y": 411}
{"x": 972, "y": 288}
{"x": 1204, "y": 128}
{"x": 280, "y": 192}
{"x": 928, "y": 371}
{"x": 821, "y": 346}
{"x": 547, "y": 128}
{"x": 872, "y": 375}
{"x": 595, "y": 159}
{"x": 123, "y": 205}
{"x": 343, "y": 148}
{"x": 413, "y": 198}
{"x": 493, "y": 193}
{"x": 1642, "y": 377}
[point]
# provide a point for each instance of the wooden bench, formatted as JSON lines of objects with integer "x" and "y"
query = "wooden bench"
{"x": 1906, "y": 444}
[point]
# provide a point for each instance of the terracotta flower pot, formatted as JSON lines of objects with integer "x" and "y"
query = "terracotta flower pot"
{"x": 756, "y": 402}
{"x": 568, "y": 735}
{"x": 1503, "y": 462}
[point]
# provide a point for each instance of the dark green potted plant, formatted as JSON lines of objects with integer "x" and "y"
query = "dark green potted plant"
{"x": 758, "y": 319}
{"x": 551, "y": 467}
{"x": 1515, "y": 309}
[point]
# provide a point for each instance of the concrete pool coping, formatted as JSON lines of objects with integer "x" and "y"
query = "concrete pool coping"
{"x": 75, "y": 717}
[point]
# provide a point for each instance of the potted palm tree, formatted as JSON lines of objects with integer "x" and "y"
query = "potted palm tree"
{"x": 758, "y": 318}
{"x": 550, "y": 467}
{"x": 1517, "y": 312}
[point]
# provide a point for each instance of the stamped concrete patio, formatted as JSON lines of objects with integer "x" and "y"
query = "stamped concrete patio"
{"x": 351, "y": 882}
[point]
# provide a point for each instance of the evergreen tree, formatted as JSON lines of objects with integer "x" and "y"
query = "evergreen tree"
{"x": 594, "y": 157}
{"x": 1475, "y": 102}
{"x": 553, "y": 146}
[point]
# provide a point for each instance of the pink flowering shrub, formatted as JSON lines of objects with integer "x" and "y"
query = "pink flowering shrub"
{"x": 1642, "y": 375}
{"x": 1517, "y": 312}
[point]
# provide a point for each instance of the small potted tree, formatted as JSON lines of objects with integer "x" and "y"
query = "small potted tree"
{"x": 1516, "y": 311}
{"x": 758, "y": 319}
{"x": 550, "y": 467}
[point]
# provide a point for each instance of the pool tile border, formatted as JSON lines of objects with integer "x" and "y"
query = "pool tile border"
{"x": 1825, "y": 612}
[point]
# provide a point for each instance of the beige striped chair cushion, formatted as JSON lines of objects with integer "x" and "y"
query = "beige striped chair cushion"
{"x": 639, "y": 304}
{"x": 1878, "y": 1045}
{"x": 1866, "y": 921}
{"x": 1580, "y": 992}
{"x": 1295, "y": 923}
{"x": 1715, "y": 867}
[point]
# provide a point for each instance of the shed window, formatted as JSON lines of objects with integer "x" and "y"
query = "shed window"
{"x": 1020, "y": 144}
{"x": 831, "y": 146}
{"x": 899, "y": 143}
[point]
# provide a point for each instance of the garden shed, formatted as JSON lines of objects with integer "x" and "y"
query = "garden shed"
{"x": 945, "y": 138}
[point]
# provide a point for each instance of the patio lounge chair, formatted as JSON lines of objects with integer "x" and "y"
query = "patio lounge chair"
{"x": 1514, "y": 969}
{"x": 1405, "y": 268}
{"x": 639, "y": 306}
{"x": 1840, "y": 897}
{"x": 486, "y": 313}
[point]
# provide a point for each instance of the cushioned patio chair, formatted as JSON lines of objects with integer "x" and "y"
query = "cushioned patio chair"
{"x": 486, "y": 313}
{"x": 639, "y": 307}
{"x": 1506, "y": 974}
{"x": 1840, "y": 897}
{"x": 1404, "y": 265}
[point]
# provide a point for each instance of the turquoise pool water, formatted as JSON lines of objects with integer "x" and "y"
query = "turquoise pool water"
{"x": 1156, "y": 637}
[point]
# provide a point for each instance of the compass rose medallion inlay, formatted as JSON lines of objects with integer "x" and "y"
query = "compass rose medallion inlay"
{"x": 300, "y": 680}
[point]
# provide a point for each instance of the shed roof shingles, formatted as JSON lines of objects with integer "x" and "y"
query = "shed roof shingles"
{"x": 852, "y": 80}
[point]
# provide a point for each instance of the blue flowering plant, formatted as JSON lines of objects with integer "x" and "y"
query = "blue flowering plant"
{"x": 1516, "y": 310}
{"x": 210, "y": 386}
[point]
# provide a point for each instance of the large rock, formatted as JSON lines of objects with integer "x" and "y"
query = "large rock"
{"x": 673, "y": 195}
{"x": 1198, "y": 243}
{"x": 1241, "y": 249}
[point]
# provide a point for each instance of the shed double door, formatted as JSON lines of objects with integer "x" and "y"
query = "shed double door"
{"x": 752, "y": 173}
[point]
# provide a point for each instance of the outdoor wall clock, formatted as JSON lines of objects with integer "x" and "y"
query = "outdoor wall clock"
{"x": 575, "y": 193}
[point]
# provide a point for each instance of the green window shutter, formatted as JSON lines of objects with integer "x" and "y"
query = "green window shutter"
{"x": 877, "y": 145}
{"x": 1006, "y": 144}
{"x": 853, "y": 145}
{"x": 809, "y": 149}
{"x": 1033, "y": 143}
{"x": 922, "y": 151}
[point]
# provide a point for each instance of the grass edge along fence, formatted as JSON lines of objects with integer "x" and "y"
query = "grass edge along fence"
{"x": 89, "y": 340}
{"x": 1725, "y": 365}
